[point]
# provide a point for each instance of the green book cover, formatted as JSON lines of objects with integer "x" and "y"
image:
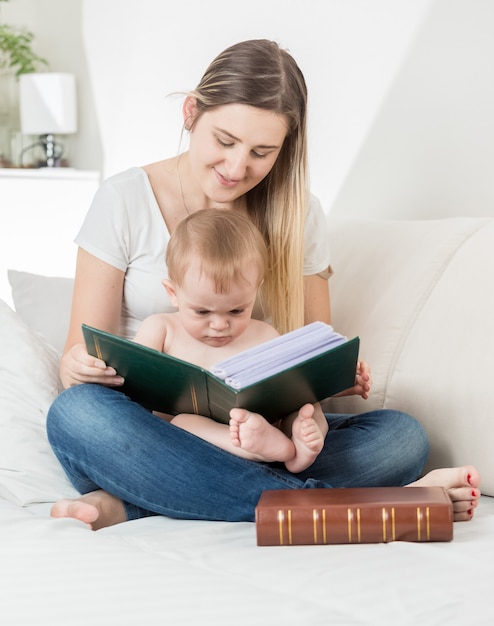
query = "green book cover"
{"x": 164, "y": 383}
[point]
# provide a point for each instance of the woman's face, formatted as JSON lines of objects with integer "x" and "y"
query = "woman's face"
{"x": 232, "y": 148}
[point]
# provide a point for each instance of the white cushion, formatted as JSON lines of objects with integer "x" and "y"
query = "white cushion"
{"x": 419, "y": 295}
{"x": 29, "y": 471}
{"x": 449, "y": 350}
{"x": 43, "y": 302}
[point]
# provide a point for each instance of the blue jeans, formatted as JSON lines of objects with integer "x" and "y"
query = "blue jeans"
{"x": 106, "y": 441}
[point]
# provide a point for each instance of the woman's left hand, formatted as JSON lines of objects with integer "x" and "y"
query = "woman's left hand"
{"x": 363, "y": 382}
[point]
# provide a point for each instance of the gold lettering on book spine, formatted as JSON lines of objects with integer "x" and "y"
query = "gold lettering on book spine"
{"x": 350, "y": 518}
{"x": 281, "y": 520}
{"x": 420, "y": 517}
{"x": 98, "y": 348}
{"x": 319, "y": 518}
{"x": 193, "y": 397}
{"x": 386, "y": 518}
{"x": 281, "y": 517}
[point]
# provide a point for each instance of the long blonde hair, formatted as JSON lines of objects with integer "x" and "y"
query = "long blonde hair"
{"x": 260, "y": 73}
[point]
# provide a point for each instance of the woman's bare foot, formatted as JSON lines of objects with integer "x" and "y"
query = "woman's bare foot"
{"x": 97, "y": 509}
{"x": 255, "y": 435}
{"x": 462, "y": 484}
{"x": 307, "y": 439}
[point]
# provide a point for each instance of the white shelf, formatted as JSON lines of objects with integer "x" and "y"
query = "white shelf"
{"x": 41, "y": 211}
{"x": 48, "y": 173}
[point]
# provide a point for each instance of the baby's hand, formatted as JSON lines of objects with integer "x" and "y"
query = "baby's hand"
{"x": 363, "y": 382}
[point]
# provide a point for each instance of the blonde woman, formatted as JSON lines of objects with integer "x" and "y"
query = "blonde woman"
{"x": 247, "y": 152}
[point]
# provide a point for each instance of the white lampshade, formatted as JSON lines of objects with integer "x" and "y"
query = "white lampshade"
{"x": 48, "y": 103}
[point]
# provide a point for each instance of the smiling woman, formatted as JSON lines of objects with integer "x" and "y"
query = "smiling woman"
{"x": 232, "y": 158}
{"x": 248, "y": 154}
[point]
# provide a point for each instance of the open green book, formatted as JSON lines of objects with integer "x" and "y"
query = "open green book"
{"x": 307, "y": 365}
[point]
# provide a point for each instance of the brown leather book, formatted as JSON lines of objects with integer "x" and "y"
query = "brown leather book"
{"x": 353, "y": 515}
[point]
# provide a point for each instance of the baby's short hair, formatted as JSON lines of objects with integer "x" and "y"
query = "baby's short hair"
{"x": 223, "y": 240}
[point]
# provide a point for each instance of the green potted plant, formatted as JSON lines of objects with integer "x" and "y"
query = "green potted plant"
{"x": 16, "y": 52}
{"x": 16, "y": 57}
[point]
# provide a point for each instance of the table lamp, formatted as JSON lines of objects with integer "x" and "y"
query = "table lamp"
{"x": 48, "y": 107}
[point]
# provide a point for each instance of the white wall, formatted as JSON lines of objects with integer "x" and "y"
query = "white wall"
{"x": 430, "y": 150}
{"x": 349, "y": 52}
{"x": 400, "y": 95}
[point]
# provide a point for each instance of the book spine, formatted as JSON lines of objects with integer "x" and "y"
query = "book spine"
{"x": 353, "y": 524}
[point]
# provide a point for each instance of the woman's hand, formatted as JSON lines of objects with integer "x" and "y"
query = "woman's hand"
{"x": 95, "y": 282}
{"x": 363, "y": 382}
{"x": 78, "y": 367}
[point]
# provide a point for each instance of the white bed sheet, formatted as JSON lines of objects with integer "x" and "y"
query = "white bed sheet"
{"x": 165, "y": 571}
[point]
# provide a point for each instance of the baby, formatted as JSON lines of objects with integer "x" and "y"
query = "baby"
{"x": 216, "y": 264}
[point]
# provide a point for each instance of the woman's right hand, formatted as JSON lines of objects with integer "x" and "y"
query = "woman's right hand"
{"x": 78, "y": 367}
{"x": 95, "y": 281}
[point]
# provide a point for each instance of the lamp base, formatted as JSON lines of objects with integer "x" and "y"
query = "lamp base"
{"x": 53, "y": 150}
{"x": 50, "y": 155}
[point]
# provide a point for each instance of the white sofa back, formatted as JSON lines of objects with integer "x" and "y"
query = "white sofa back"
{"x": 420, "y": 296}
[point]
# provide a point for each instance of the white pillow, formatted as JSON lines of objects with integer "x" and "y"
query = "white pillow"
{"x": 29, "y": 471}
{"x": 419, "y": 295}
{"x": 43, "y": 302}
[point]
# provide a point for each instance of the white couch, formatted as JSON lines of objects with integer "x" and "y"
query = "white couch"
{"x": 419, "y": 295}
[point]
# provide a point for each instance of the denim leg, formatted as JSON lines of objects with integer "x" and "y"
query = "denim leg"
{"x": 375, "y": 449}
{"x": 105, "y": 441}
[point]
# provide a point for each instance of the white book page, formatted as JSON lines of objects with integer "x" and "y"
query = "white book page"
{"x": 278, "y": 354}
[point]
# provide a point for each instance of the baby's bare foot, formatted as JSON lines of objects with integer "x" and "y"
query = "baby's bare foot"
{"x": 307, "y": 439}
{"x": 255, "y": 435}
{"x": 97, "y": 509}
{"x": 462, "y": 484}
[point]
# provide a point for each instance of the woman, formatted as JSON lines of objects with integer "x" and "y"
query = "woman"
{"x": 248, "y": 153}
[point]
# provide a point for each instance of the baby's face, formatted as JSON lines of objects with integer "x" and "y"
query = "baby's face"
{"x": 216, "y": 318}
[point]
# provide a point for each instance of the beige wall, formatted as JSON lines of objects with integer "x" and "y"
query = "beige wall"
{"x": 400, "y": 92}
{"x": 56, "y": 25}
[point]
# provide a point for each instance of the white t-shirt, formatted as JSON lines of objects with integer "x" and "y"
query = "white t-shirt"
{"x": 124, "y": 227}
